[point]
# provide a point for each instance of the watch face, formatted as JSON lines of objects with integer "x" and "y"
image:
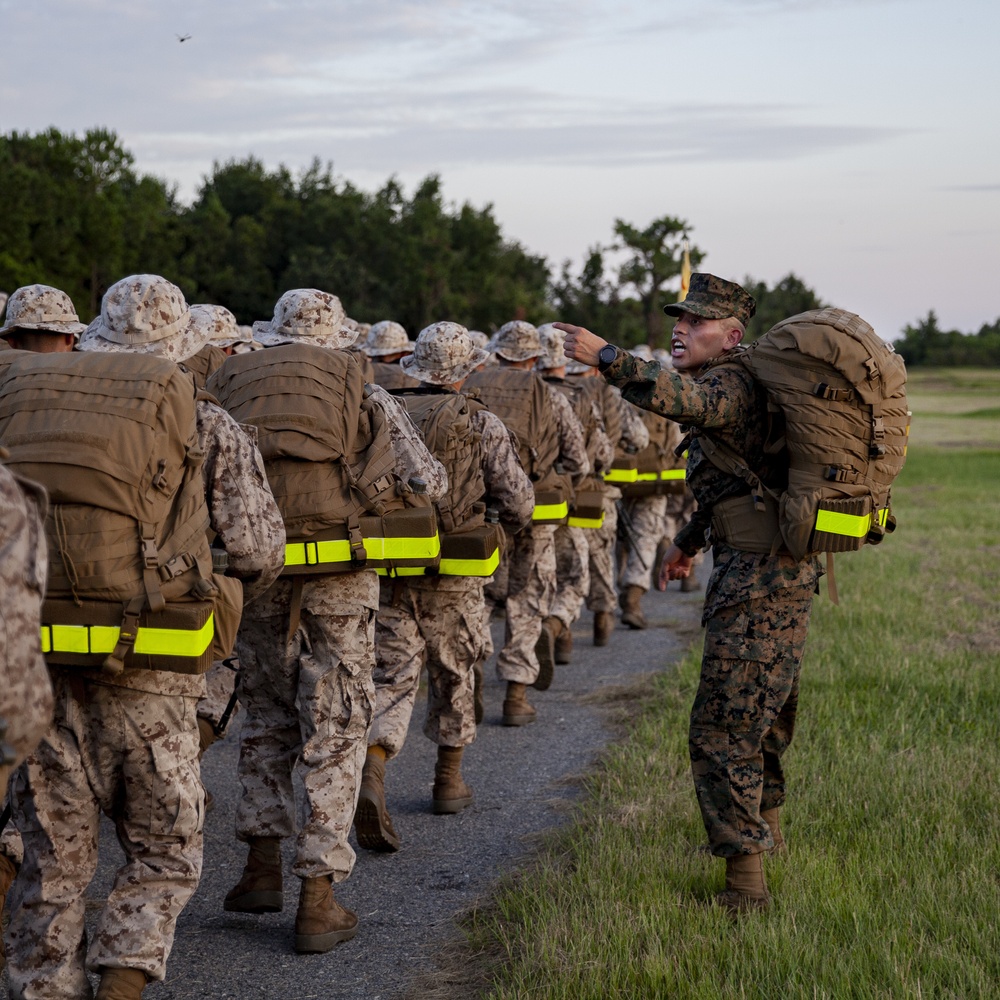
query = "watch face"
{"x": 608, "y": 354}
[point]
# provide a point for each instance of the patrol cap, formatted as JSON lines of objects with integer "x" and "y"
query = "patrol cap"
{"x": 145, "y": 314}
{"x": 306, "y": 315}
{"x": 552, "y": 341}
{"x": 715, "y": 298}
{"x": 386, "y": 337}
{"x": 223, "y": 330}
{"x": 443, "y": 353}
{"x": 517, "y": 341}
{"x": 42, "y": 308}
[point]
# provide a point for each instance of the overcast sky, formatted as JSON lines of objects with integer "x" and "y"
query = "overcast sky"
{"x": 854, "y": 142}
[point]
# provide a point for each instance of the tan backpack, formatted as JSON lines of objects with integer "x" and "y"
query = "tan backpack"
{"x": 329, "y": 460}
{"x": 469, "y": 545}
{"x": 658, "y": 470}
{"x": 840, "y": 391}
{"x": 392, "y": 377}
{"x": 519, "y": 398}
{"x": 201, "y": 365}
{"x": 113, "y": 439}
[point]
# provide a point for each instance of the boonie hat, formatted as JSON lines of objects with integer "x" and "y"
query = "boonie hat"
{"x": 552, "y": 341}
{"x": 42, "y": 308}
{"x": 223, "y": 330}
{"x": 715, "y": 298}
{"x": 443, "y": 353}
{"x": 386, "y": 337}
{"x": 575, "y": 367}
{"x": 517, "y": 341}
{"x": 145, "y": 314}
{"x": 306, "y": 315}
{"x": 642, "y": 352}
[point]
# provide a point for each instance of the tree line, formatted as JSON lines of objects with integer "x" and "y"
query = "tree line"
{"x": 78, "y": 215}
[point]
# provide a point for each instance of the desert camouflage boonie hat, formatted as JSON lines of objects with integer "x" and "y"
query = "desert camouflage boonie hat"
{"x": 552, "y": 341}
{"x": 386, "y": 337}
{"x": 641, "y": 351}
{"x": 145, "y": 314}
{"x": 443, "y": 353}
{"x": 662, "y": 358}
{"x": 517, "y": 341}
{"x": 221, "y": 325}
{"x": 482, "y": 341}
{"x": 42, "y": 308}
{"x": 308, "y": 316}
{"x": 715, "y": 298}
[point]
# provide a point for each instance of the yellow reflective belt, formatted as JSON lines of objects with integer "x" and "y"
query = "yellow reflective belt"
{"x": 646, "y": 477}
{"x": 673, "y": 474}
{"x": 83, "y": 639}
{"x": 403, "y": 571}
{"x": 852, "y": 525}
{"x": 377, "y": 547}
{"x": 470, "y": 567}
{"x": 621, "y": 475}
{"x": 550, "y": 511}
{"x": 587, "y": 522}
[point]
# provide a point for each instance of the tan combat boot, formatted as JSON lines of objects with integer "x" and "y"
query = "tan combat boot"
{"x": 564, "y": 645}
{"x": 773, "y": 820}
{"x": 604, "y": 625}
{"x": 746, "y": 888}
{"x": 516, "y": 710}
{"x": 321, "y": 922}
{"x": 545, "y": 650}
{"x": 372, "y": 822}
{"x": 121, "y": 984}
{"x": 451, "y": 794}
{"x": 631, "y": 611}
{"x": 259, "y": 890}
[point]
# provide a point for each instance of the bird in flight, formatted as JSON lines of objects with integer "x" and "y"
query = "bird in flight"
{"x": 183, "y": 38}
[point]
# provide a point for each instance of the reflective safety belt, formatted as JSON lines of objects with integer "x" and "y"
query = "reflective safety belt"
{"x": 550, "y": 511}
{"x": 470, "y": 567}
{"x": 587, "y": 522}
{"x": 673, "y": 475}
{"x": 378, "y": 548}
{"x": 852, "y": 525}
{"x": 149, "y": 641}
{"x": 621, "y": 475}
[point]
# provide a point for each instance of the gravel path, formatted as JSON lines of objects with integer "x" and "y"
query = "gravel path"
{"x": 407, "y": 902}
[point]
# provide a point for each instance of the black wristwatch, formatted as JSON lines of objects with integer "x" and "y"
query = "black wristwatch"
{"x": 606, "y": 356}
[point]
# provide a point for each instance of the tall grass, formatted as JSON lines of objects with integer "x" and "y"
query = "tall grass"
{"x": 891, "y": 887}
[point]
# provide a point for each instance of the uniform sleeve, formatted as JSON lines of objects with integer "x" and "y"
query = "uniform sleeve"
{"x": 413, "y": 460}
{"x": 572, "y": 450}
{"x": 241, "y": 508}
{"x": 718, "y": 399}
{"x": 507, "y": 484}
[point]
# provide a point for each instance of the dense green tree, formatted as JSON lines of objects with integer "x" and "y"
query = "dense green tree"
{"x": 654, "y": 257}
{"x": 594, "y": 301}
{"x": 788, "y": 297}
{"x": 925, "y": 343}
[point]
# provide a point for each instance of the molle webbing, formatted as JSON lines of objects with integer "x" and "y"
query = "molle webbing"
{"x": 201, "y": 365}
{"x": 391, "y": 376}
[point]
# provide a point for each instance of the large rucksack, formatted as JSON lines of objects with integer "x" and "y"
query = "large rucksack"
{"x": 113, "y": 439}
{"x": 469, "y": 545}
{"x": 520, "y": 399}
{"x": 840, "y": 391}
{"x": 329, "y": 460}
{"x": 391, "y": 376}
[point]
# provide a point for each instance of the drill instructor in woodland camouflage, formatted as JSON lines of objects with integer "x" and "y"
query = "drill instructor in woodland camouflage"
{"x": 437, "y": 619}
{"x": 127, "y": 744}
{"x": 757, "y": 605}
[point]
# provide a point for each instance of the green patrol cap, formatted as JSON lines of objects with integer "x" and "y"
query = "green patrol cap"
{"x": 715, "y": 298}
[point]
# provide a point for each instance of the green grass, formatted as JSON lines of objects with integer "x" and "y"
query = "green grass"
{"x": 892, "y": 884}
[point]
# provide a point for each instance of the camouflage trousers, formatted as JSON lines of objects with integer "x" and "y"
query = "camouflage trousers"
{"x": 602, "y": 595}
{"x": 134, "y": 756}
{"x": 437, "y": 622}
{"x": 647, "y": 520}
{"x": 743, "y": 716}
{"x": 572, "y": 573}
{"x": 309, "y": 703}
{"x": 529, "y": 568}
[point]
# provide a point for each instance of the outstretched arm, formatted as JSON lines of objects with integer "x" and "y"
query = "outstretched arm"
{"x": 581, "y": 344}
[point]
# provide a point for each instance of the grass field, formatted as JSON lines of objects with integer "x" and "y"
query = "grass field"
{"x": 891, "y": 887}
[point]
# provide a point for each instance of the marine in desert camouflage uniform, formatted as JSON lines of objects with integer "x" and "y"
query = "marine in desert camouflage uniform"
{"x": 436, "y": 620}
{"x": 572, "y": 545}
{"x": 41, "y": 319}
{"x": 384, "y": 345}
{"x": 127, "y": 745}
{"x": 627, "y": 432}
{"x": 308, "y": 696}
{"x": 526, "y": 578}
{"x": 757, "y": 605}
